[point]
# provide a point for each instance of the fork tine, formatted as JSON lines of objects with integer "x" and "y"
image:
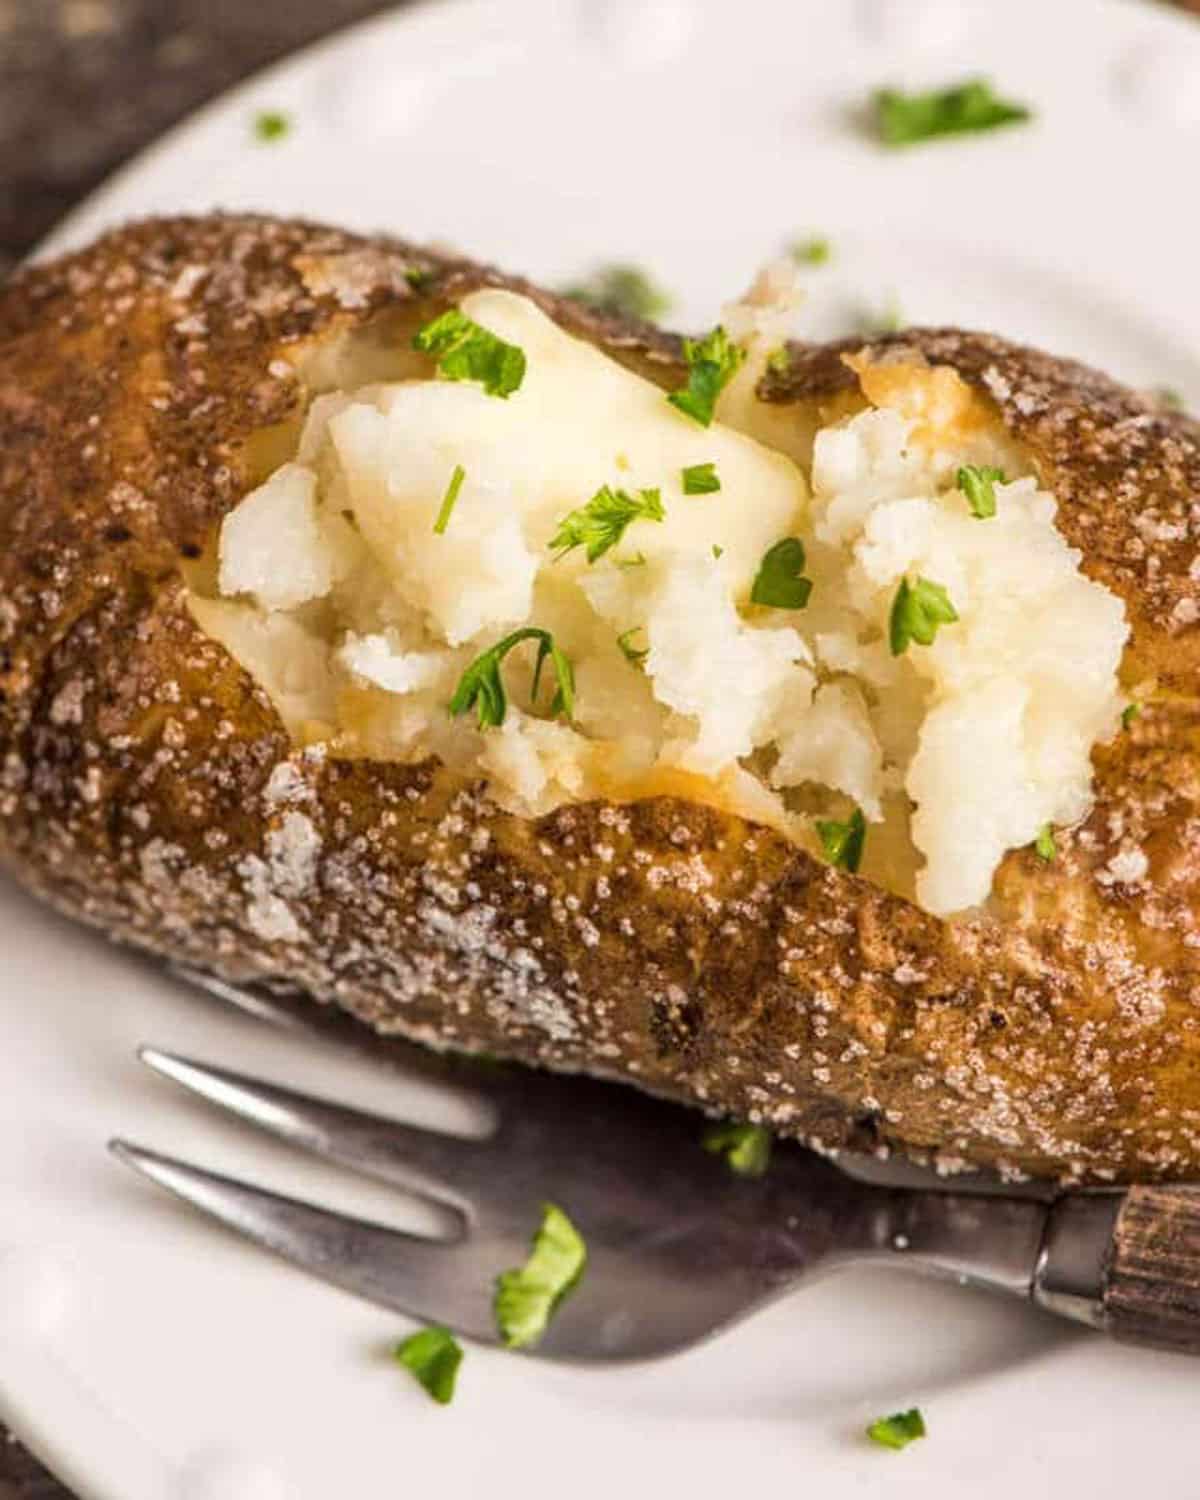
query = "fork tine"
{"x": 455, "y": 1073}
{"x": 433, "y": 1165}
{"x": 423, "y": 1278}
{"x": 261, "y": 1005}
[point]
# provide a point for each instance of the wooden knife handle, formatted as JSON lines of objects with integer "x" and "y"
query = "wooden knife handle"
{"x": 1151, "y": 1290}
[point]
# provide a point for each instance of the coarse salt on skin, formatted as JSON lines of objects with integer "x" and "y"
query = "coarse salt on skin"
{"x": 292, "y": 850}
{"x": 1127, "y": 867}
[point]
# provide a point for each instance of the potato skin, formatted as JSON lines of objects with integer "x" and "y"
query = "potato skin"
{"x": 148, "y": 787}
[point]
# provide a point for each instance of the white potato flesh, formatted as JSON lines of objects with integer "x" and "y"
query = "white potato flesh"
{"x": 364, "y": 615}
{"x": 834, "y": 745}
{"x": 273, "y": 546}
{"x": 398, "y": 467}
{"x": 1021, "y": 686}
{"x": 382, "y": 660}
{"x": 288, "y": 661}
{"x": 708, "y": 664}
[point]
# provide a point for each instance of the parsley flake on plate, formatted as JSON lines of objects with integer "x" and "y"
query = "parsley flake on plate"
{"x": 451, "y": 495}
{"x": 635, "y": 655}
{"x": 433, "y": 1355}
{"x": 778, "y": 583}
{"x": 898, "y": 1430}
{"x": 918, "y": 610}
{"x": 481, "y": 685}
{"x": 624, "y": 290}
{"x": 1044, "y": 843}
{"x": 712, "y": 363}
{"x": 884, "y": 317}
{"x": 746, "y": 1148}
{"x": 701, "y": 479}
{"x": 602, "y": 522}
{"x": 718, "y": 552}
{"x": 528, "y": 1297}
{"x": 843, "y": 842}
{"x": 905, "y": 119}
{"x": 465, "y": 351}
{"x": 1129, "y": 713}
{"x": 978, "y": 484}
{"x": 271, "y": 125}
{"x": 813, "y": 251}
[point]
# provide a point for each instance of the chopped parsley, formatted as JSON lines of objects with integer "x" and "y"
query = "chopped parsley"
{"x": 898, "y": 1430}
{"x": 433, "y": 1355}
{"x": 482, "y": 686}
{"x": 843, "y": 842}
{"x": 1044, "y": 843}
{"x": 527, "y": 1297}
{"x": 465, "y": 351}
{"x": 1129, "y": 713}
{"x": 746, "y": 1148}
{"x": 779, "y": 361}
{"x": 888, "y": 317}
{"x": 778, "y": 583}
{"x": 451, "y": 495}
{"x": 602, "y": 522}
{"x": 701, "y": 479}
{"x": 712, "y": 363}
{"x": 623, "y": 290}
{"x": 905, "y": 119}
{"x": 271, "y": 125}
{"x": 978, "y": 484}
{"x": 632, "y": 654}
{"x": 813, "y": 251}
{"x": 917, "y": 611}
{"x": 418, "y": 277}
{"x": 718, "y": 552}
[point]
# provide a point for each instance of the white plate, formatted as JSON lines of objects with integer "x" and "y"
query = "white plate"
{"x": 147, "y": 1355}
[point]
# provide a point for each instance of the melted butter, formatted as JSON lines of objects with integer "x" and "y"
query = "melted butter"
{"x": 945, "y": 411}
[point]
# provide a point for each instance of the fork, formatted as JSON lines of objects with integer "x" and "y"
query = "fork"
{"x": 679, "y": 1246}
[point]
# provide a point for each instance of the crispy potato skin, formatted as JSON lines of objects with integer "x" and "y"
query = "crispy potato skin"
{"x": 147, "y": 786}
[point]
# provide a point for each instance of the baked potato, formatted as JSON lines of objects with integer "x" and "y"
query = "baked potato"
{"x": 685, "y": 916}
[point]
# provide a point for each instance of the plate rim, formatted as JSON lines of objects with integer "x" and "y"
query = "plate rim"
{"x": 243, "y": 93}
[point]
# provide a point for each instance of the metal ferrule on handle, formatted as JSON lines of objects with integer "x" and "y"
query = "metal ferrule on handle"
{"x": 1072, "y": 1267}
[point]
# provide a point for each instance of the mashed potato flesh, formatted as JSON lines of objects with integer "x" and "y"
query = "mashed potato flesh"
{"x": 359, "y": 618}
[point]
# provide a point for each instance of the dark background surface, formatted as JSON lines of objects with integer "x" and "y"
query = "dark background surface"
{"x": 83, "y": 85}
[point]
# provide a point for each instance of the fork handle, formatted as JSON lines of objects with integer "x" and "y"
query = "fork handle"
{"x": 1128, "y": 1263}
{"x": 1152, "y": 1287}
